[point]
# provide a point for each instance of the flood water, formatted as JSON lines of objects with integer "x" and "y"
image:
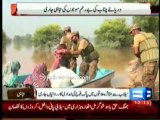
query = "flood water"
{"x": 115, "y": 59}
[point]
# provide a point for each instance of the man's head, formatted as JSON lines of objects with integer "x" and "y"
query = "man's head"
{"x": 135, "y": 29}
{"x": 67, "y": 30}
{"x": 64, "y": 62}
{"x": 75, "y": 36}
{"x": 62, "y": 46}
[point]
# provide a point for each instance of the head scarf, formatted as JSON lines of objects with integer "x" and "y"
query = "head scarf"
{"x": 39, "y": 77}
{"x": 10, "y": 73}
{"x": 59, "y": 53}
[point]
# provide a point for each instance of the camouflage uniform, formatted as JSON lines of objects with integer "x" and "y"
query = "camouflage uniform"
{"x": 150, "y": 70}
{"x": 91, "y": 68}
{"x": 149, "y": 55}
{"x": 72, "y": 59}
{"x": 89, "y": 58}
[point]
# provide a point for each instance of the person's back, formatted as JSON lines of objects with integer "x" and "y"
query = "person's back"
{"x": 10, "y": 73}
{"x": 64, "y": 77}
{"x": 66, "y": 37}
{"x": 61, "y": 77}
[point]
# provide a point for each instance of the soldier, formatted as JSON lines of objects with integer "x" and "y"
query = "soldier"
{"x": 89, "y": 55}
{"x": 66, "y": 39}
{"x": 146, "y": 48}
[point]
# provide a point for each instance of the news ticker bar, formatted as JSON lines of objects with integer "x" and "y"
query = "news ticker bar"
{"x": 80, "y": 109}
{"x": 79, "y": 9}
{"x": 81, "y": 94}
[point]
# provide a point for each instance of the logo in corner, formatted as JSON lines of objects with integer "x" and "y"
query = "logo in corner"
{"x": 140, "y": 93}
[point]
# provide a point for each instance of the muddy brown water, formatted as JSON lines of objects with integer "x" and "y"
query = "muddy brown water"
{"x": 115, "y": 59}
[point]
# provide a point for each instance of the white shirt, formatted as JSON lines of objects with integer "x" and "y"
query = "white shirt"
{"x": 63, "y": 77}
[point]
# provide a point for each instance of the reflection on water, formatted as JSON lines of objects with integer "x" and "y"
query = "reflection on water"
{"x": 18, "y": 46}
{"x": 39, "y": 56}
{"x": 115, "y": 59}
{"x": 109, "y": 58}
{"x": 4, "y": 55}
{"x": 22, "y": 41}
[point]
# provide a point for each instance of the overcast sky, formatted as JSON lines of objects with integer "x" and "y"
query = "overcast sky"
{"x": 86, "y": 25}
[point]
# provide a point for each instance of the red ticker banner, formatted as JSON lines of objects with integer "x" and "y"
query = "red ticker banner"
{"x": 81, "y": 109}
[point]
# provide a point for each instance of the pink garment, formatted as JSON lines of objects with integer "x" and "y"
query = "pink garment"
{"x": 59, "y": 53}
{"x": 38, "y": 78}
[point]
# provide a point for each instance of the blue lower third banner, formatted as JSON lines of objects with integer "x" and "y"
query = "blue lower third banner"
{"x": 140, "y": 93}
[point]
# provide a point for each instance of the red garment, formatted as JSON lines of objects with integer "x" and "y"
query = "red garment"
{"x": 59, "y": 53}
{"x": 38, "y": 78}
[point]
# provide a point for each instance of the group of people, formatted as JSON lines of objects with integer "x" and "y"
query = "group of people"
{"x": 71, "y": 46}
{"x": 63, "y": 70}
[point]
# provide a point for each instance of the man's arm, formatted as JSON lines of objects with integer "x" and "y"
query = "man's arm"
{"x": 82, "y": 45}
{"x": 77, "y": 52}
{"x": 136, "y": 52}
{"x": 135, "y": 46}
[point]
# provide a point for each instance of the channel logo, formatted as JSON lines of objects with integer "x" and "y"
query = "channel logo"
{"x": 140, "y": 93}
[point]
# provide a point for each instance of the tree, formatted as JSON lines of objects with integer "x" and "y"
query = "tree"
{"x": 47, "y": 36}
{"x": 4, "y": 38}
{"x": 9, "y": 41}
{"x": 4, "y": 44}
{"x": 148, "y": 23}
{"x": 113, "y": 34}
{"x": 28, "y": 40}
{"x": 153, "y": 2}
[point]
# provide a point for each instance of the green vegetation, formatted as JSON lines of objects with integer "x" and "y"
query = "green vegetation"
{"x": 113, "y": 34}
{"x": 153, "y": 2}
{"x": 5, "y": 40}
{"x": 148, "y": 24}
{"x": 47, "y": 36}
